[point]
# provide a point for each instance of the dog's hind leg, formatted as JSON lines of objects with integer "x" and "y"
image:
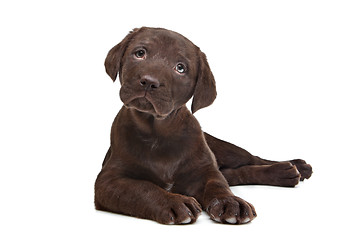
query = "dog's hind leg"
{"x": 235, "y": 161}
{"x": 230, "y": 156}
{"x": 282, "y": 174}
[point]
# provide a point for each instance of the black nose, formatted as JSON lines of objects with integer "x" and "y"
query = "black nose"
{"x": 149, "y": 82}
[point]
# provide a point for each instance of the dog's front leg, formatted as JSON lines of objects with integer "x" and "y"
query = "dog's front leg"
{"x": 221, "y": 204}
{"x": 143, "y": 199}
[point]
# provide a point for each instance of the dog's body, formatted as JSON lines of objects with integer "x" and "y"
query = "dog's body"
{"x": 160, "y": 164}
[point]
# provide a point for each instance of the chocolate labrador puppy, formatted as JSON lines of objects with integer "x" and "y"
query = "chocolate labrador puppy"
{"x": 160, "y": 164}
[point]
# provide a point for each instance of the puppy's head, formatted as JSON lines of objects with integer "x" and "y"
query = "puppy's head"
{"x": 159, "y": 71}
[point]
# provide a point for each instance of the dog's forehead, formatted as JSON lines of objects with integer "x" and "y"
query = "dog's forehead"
{"x": 165, "y": 40}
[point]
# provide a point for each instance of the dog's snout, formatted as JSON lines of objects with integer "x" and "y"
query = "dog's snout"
{"x": 149, "y": 82}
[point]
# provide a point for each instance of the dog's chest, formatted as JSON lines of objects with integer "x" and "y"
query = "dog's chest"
{"x": 157, "y": 158}
{"x": 157, "y": 148}
{"x": 164, "y": 171}
{"x": 163, "y": 159}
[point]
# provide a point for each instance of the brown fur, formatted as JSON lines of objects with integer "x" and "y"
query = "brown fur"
{"x": 160, "y": 165}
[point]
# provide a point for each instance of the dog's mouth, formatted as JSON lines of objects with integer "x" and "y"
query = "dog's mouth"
{"x": 143, "y": 104}
{"x": 158, "y": 104}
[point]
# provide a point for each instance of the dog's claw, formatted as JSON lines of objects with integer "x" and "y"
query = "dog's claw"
{"x": 231, "y": 220}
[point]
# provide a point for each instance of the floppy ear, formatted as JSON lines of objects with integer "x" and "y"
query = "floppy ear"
{"x": 205, "y": 89}
{"x": 113, "y": 59}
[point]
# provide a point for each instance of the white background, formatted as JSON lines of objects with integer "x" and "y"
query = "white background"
{"x": 287, "y": 76}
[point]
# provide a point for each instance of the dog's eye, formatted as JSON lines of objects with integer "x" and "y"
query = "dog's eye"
{"x": 140, "y": 53}
{"x": 180, "y": 68}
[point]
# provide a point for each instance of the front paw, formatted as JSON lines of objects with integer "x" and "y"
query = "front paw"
{"x": 304, "y": 168}
{"x": 179, "y": 209}
{"x": 231, "y": 209}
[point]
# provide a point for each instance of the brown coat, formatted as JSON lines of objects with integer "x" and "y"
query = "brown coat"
{"x": 160, "y": 164}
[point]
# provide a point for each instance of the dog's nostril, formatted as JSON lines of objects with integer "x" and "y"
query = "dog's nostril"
{"x": 149, "y": 82}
